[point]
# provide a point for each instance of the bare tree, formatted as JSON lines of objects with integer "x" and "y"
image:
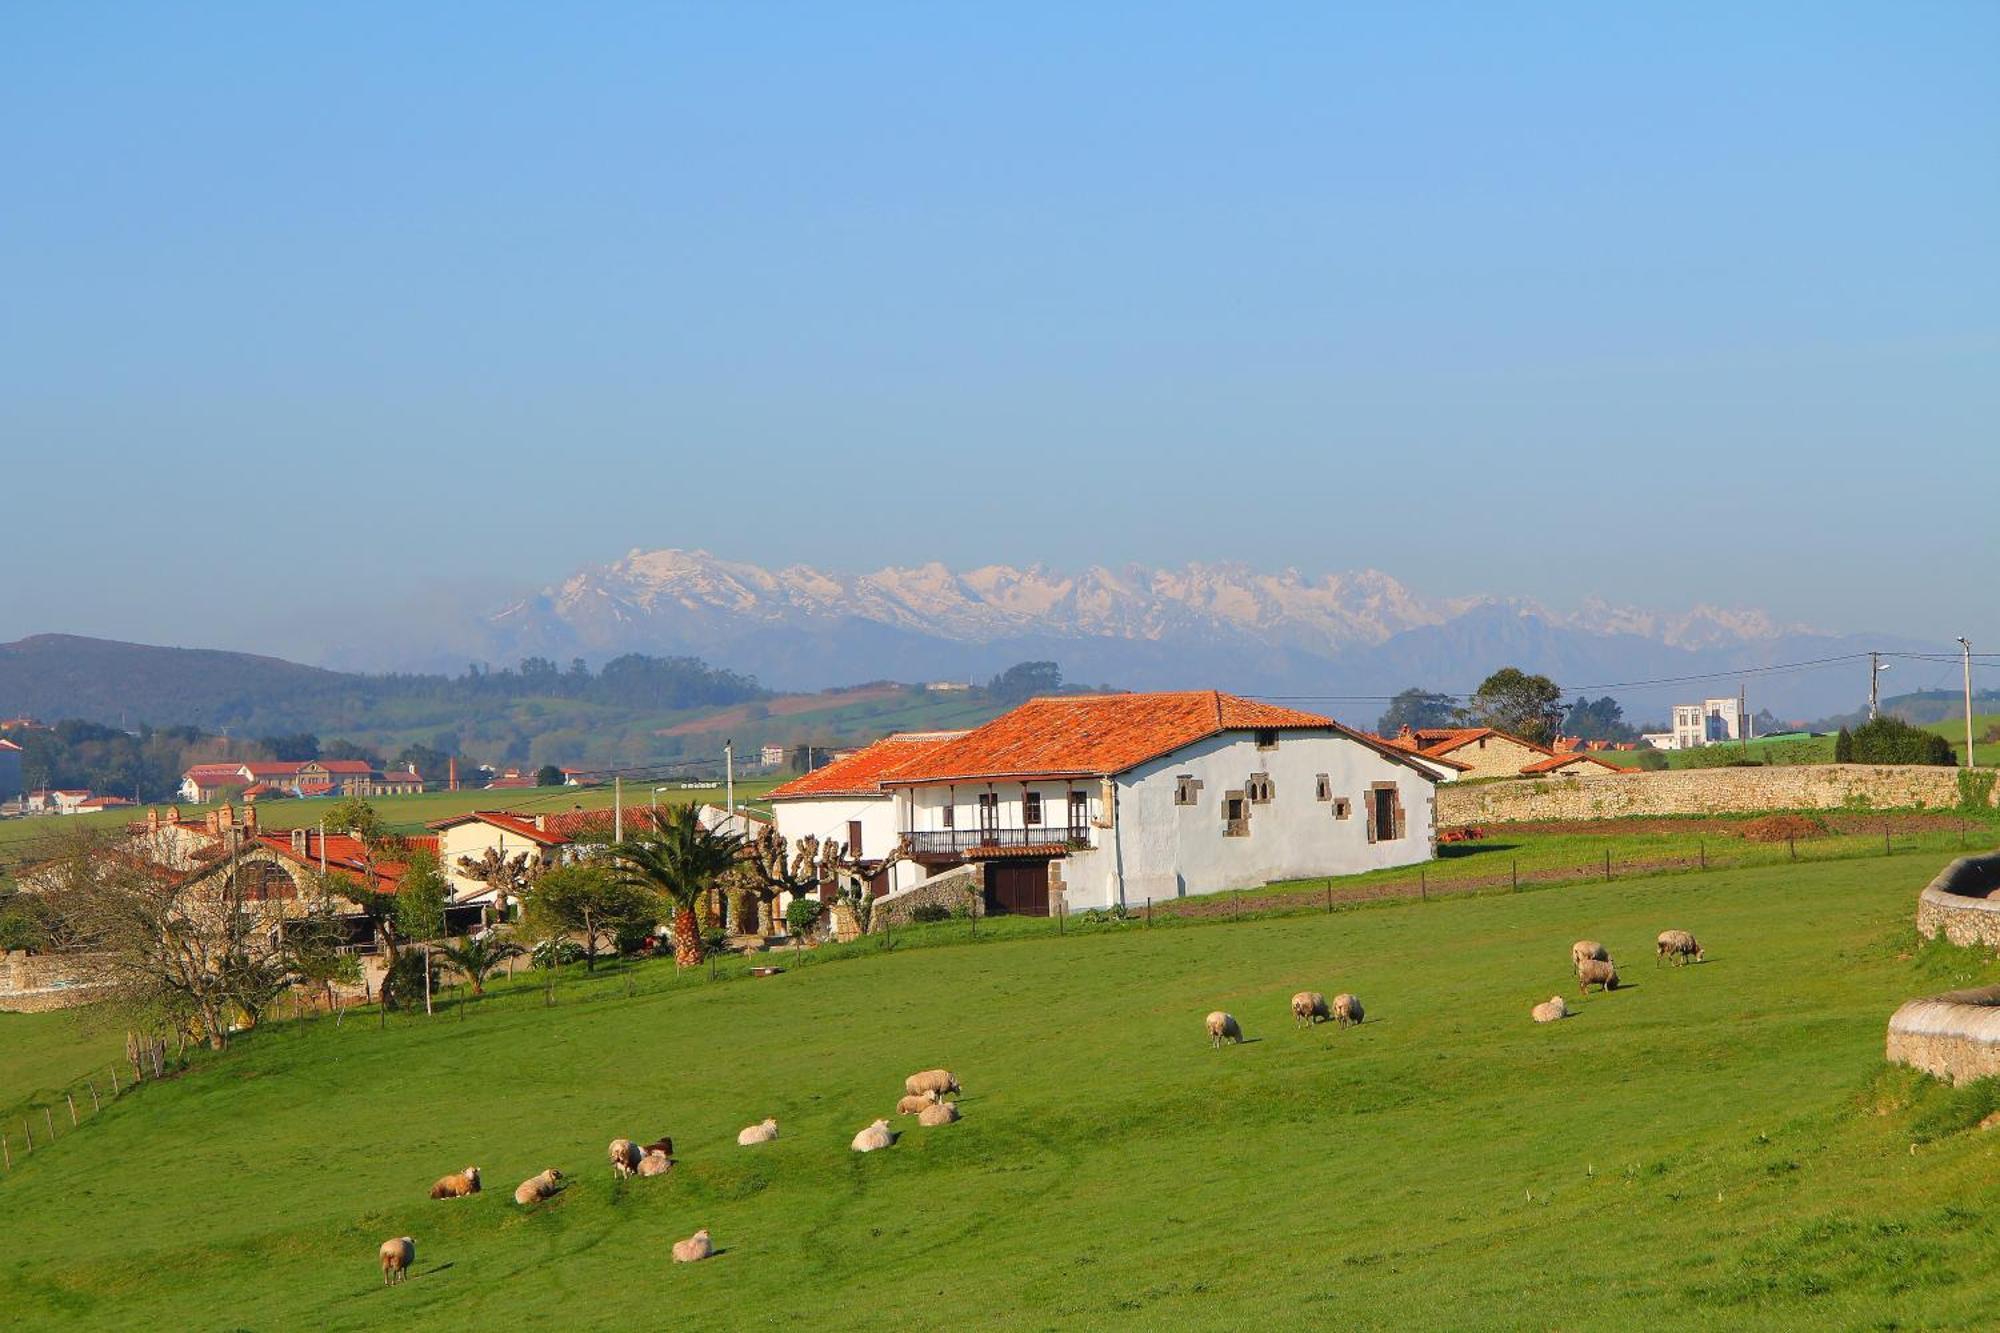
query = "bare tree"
{"x": 770, "y": 867}
{"x": 509, "y": 877}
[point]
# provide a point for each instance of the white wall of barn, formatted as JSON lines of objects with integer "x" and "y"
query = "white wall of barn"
{"x": 1162, "y": 850}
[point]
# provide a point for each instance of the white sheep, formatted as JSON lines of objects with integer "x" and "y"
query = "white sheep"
{"x": 1678, "y": 945}
{"x": 755, "y": 1134}
{"x": 536, "y": 1188}
{"x": 942, "y": 1113}
{"x": 939, "y": 1082}
{"x": 911, "y": 1103}
{"x": 1222, "y": 1027}
{"x": 655, "y": 1164}
{"x": 1584, "y": 950}
{"x": 1595, "y": 972}
{"x": 1347, "y": 1009}
{"x": 1550, "y": 1012}
{"x": 625, "y": 1157}
{"x": 694, "y": 1249}
{"x": 1309, "y": 1007}
{"x": 457, "y": 1185}
{"x": 875, "y": 1136}
{"x": 397, "y": 1256}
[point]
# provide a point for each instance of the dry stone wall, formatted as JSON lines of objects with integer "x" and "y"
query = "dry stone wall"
{"x": 1953, "y": 1036}
{"x": 36, "y": 983}
{"x": 1956, "y": 904}
{"x": 960, "y": 892}
{"x": 1701, "y": 791}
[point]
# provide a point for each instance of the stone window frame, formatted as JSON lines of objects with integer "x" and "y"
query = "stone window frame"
{"x": 1342, "y": 807}
{"x": 1187, "y": 789}
{"x": 1398, "y": 819}
{"x": 1322, "y": 787}
{"x": 1238, "y": 827}
{"x": 1260, "y": 789}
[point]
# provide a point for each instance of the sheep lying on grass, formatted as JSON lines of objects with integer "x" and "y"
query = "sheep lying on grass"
{"x": 1551, "y": 1011}
{"x": 1595, "y": 972}
{"x": 397, "y": 1256}
{"x": 1679, "y": 946}
{"x": 536, "y": 1188}
{"x": 457, "y": 1185}
{"x": 914, "y": 1102}
{"x": 938, "y": 1082}
{"x": 1223, "y": 1027}
{"x": 1584, "y": 951}
{"x": 663, "y": 1146}
{"x": 875, "y": 1136}
{"x": 1346, "y": 1009}
{"x": 625, "y": 1157}
{"x": 942, "y": 1113}
{"x": 655, "y": 1164}
{"x": 694, "y": 1249}
{"x": 761, "y": 1133}
{"x": 1309, "y": 1007}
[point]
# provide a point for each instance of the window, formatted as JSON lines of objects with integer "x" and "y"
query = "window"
{"x": 854, "y": 837}
{"x": 1267, "y": 738}
{"x": 951, "y": 815}
{"x": 1079, "y": 814}
{"x": 1259, "y": 789}
{"x": 1385, "y": 812}
{"x": 1322, "y": 788}
{"x": 1235, "y": 815}
{"x": 1031, "y": 808}
{"x": 1187, "y": 789}
{"x": 1342, "y": 807}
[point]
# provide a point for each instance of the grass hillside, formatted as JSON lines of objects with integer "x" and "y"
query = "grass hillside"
{"x": 1718, "y": 1146}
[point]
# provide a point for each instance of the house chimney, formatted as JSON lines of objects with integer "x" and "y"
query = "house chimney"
{"x": 541, "y": 823}
{"x": 226, "y": 817}
{"x": 299, "y": 843}
{"x": 152, "y": 821}
{"x": 173, "y": 814}
{"x": 250, "y": 817}
{"x": 212, "y": 821}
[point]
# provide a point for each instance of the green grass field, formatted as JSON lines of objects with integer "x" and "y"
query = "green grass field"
{"x": 1719, "y": 1146}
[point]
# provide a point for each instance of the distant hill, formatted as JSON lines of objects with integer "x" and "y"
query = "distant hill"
{"x": 102, "y": 680}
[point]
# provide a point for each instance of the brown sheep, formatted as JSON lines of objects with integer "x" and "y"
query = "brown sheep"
{"x": 694, "y": 1249}
{"x": 938, "y": 1081}
{"x": 663, "y": 1146}
{"x": 1585, "y": 950}
{"x": 1309, "y": 1007}
{"x": 1223, "y": 1027}
{"x": 1550, "y": 1012}
{"x": 1678, "y": 945}
{"x": 397, "y": 1256}
{"x": 625, "y": 1157}
{"x": 915, "y": 1102}
{"x": 1595, "y": 972}
{"x": 943, "y": 1113}
{"x": 1347, "y": 1009}
{"x": 756, "y": 1134}
{"x": 458, "y": 1185}
{"x": 536, "y": 1188}
{"x": 655, "y": 1164}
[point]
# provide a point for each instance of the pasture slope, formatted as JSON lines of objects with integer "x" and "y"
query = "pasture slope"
{"x": 1719, "y": 1146}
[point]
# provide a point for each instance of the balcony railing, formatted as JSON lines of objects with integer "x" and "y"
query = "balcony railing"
{"x": 951, "y": 841}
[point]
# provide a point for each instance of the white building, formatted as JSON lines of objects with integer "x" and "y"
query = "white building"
{"x": 1115, "y": 799}
{"x": 771, "y": 756}
{"x": 1711, "y": 720}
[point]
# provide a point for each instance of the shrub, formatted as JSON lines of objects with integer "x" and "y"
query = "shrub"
{"x": 403, "y": 986}
{"x": 1975, "y": 788}
{"x": 926, "y": 913}
{"x": 802, "y": 915}
{"x": 631, "y": 937}
{"x": 556, "y": 950}
{"x": 1843, "y": 747}
{"x": 1890, "y": 740}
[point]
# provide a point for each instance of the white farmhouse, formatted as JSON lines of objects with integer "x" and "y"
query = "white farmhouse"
{"x": 1118, "y": 798}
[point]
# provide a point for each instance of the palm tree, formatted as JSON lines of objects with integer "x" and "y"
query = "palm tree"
{"x": 478, "y": 959}
{"x": 679, "y": 858}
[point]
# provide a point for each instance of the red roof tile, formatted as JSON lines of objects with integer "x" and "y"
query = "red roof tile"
{"x": 861, "y": 773}
{"x": 524, "y": 825}
{"x": 354, "y": 766}
{"x": 1090, "y": 735}
{"x": 1556, "y": 761}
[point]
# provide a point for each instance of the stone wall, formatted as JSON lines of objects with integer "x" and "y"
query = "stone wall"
{"x": 1953, "y": 1036}
{"x": 1956, "y": 906}
{"x": 961, "y": 891}
{"x": 1701, "y": 791}
{"x": 36, "y": 983}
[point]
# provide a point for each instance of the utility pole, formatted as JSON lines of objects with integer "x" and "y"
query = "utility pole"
{"x": 1965, "y": 644}
{"x": 1742, "y": 720}
{"x": 1875, "y": 670}
{"x": 617, "y": 807}
{"x": 729, "y": 773}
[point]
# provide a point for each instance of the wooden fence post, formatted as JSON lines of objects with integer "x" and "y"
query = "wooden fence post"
{"x": 1607, "y": 867}
{"x": 114, "y": 1081}
{"x": 6, "y": 1153}
{"x": 72, "y": 1109}
{"x": 49, "y": 1119}
{"x": 95, "y": 1105}
{"x": 1423, "y": 883}
{"x": 1704, "y": 854}
{"x": 28, "y": 1133}
{"x": 1329, "y": 897}
{"x": 1149, "y": 913}
{"x": 1516, "y": 872}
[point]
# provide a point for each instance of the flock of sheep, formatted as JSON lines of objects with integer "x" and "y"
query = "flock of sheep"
{"x": 924, "y": 1096}
{"x": 1591, "y": 961}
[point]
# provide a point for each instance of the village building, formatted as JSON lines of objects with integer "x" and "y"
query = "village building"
{"x": 1462, "y": 753}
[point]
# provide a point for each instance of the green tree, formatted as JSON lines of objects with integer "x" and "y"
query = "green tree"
{"x": 548, "y": 775}
{"x": 1890, "y": 740}
{"x": 478, "y": 959}
{"x": 1415, "y": 709}
{"x": 591, "y": 902}
{"x": 1511, "y": 700}
{"x": 421, "y": 895}
{"x": 1843, "y": 747}
{"x": 1025, "y": 680}
{"x": 313, "y": 950}
{"x": 351, "y": 814}
{"x": 679, "y": 859}
{"x": 1598, "y": 720}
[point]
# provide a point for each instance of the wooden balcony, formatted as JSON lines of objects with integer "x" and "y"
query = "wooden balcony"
{"x": 972, "y": 844}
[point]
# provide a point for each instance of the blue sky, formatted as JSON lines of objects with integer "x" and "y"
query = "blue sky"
{"x": 333, "y": 308}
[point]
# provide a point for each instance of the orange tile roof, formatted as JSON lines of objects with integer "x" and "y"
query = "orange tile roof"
{"x": 1091, "y": 735}
{"x": 1556, "y": 761}
{"x": 504, "y": 819}
{"x": 862, "y": 772}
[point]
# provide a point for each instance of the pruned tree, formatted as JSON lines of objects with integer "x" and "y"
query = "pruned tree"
{"x": 508, "y": 877}
{"x": 772, "y": 867}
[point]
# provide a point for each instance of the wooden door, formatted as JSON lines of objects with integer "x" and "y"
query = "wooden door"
{"x": 1018, "y": 888}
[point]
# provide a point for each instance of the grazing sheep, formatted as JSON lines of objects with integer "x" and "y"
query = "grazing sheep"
{"x": 694, "y": 1248}
{"x": 942, "y": 1113}
{"x": 756, "y": 1134}
{"x": 875, "y": 1136}
{"x": 1678, "y": 945}
{"x": 1309, "y": 1007}
{"x": 397, "y": 1256}
{"x": 1595, "y": 972}
{"x": 1584, "y": 951}
{"x": 655, "y": 1164}
{"x": 936, "y": 1081}
{"x": 1222, "y": 1027}
{"x": 663, "y": 1146}
{"x": 1346, "y": 1009}
{"x": 457, "y": 1186}
{"x": 625, "y": 1157}
{"x": 1550, "y": 1012}
{"x": 915, "y": 1102}
{"x": 536, "y": 1188}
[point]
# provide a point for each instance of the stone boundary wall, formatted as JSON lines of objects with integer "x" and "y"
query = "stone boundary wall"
{"x": 36, "y": 983}
{"x": 1953, "y": 1036}
{"x": 1701, "y": 791}
{"x": 960, "y": 891}
{"x": 1956, "y": 904}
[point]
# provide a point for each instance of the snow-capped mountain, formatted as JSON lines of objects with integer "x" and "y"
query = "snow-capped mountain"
{"x": 1361, "y": 632}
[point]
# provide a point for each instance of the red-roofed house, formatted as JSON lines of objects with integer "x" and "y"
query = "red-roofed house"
{"x": 1485, "y": 752}
{"x": 1118, "y": 798}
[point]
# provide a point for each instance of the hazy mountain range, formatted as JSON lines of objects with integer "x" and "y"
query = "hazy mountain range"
{"x": 1347, "y": 634}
